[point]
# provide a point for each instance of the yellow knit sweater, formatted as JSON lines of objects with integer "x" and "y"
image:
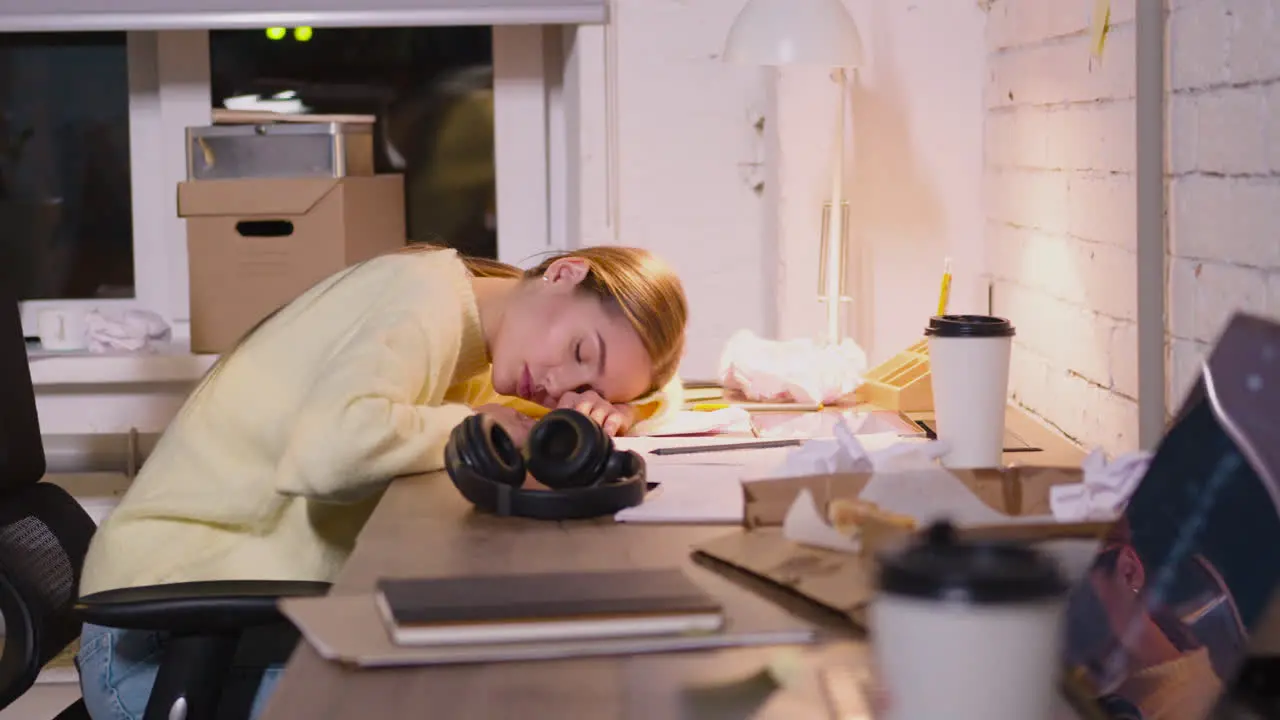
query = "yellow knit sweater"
{"x": 275, "y": 463}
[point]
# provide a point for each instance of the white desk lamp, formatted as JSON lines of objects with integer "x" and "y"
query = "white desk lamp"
{"x": 809, "y": 32}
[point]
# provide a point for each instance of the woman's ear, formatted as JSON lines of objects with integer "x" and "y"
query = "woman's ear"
{"x": 1129, "y": 568}
{"x": 566, "y": 273}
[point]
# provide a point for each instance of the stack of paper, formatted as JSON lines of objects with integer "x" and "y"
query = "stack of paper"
{"x": 699, "y": 488}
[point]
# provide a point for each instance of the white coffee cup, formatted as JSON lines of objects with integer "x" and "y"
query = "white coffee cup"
{"x": 62, "y": 329}
{"x": 967, "y": 631}
{"x": 969, "y": 370}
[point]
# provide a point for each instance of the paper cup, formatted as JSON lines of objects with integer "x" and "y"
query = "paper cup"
{"x": 969, "y": 370}
{"x": 967, "y": 631}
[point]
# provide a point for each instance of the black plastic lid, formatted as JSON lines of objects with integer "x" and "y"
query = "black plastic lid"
{"x": 975, "y": 326}
{"x": 941, "y": 567}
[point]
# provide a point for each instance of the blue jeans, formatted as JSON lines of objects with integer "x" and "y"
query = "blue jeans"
{"x": 118, "y": 669}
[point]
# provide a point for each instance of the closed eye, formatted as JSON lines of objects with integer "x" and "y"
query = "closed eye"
{"x": 577, "y": 351}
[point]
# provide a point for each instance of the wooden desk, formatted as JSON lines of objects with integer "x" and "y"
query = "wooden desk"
{"x": 423, "y": 527}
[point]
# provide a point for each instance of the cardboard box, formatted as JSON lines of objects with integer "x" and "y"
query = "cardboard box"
{"x": 845, "y": 582}
{"x": 1020, "y": 490}
{"x": 256, "y": 244}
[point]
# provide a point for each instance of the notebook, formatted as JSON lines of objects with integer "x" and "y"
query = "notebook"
{"x": 1161, "y": 623}
{"x": 545, "y": 607}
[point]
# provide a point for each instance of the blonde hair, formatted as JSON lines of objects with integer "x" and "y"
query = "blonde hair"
{"x": 630, "y": 280}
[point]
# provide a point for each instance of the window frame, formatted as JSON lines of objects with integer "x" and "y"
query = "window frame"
{"x": 169, "y": 79}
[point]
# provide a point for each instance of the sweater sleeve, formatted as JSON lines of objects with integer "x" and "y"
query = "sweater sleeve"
{"x": 658, "y": 407}
{"x": 360, "y": 425}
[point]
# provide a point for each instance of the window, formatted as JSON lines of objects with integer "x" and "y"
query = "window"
{"x": 431, "y": 90}
{"x": 65, "y": 201}
{"x": 162, "y": 82}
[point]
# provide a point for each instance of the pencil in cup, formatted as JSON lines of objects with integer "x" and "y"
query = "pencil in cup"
{"x": 944, "y": 293}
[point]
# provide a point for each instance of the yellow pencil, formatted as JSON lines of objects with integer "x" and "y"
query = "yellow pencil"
{"x": 944, "y": 294}
{"x": 759, "y": 407}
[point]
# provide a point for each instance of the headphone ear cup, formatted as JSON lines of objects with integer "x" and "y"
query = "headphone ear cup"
{"x": 619, "y": 466}
{"x": 568, "y": 450}
{"x": 482, "y": 445}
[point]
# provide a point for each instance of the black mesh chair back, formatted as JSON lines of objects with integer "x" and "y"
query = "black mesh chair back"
{"x": 44, "y": 533}
{"x": 21, "y": 451}
{"x": 44, "y": 536}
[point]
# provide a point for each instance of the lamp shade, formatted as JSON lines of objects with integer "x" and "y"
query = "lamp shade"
{"x": 794, "y": 32}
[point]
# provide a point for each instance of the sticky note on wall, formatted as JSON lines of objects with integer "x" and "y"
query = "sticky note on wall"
{"x": 1101, "y": 22}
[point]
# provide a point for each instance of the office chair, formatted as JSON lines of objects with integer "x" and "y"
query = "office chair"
{"x": 44, "y": 536}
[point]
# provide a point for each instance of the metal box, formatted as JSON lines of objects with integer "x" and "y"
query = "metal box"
{"x": 279, "y": 150}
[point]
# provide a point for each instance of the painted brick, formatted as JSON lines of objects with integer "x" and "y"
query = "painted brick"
{"x": 1107, "y": 276}
{"x": 1074, "y": 338}
{"x": 1060, "y": 206}
{"x": 1034, "y": 260}
{"x": 1124, "y": 359}
{"x": 1231, "y": 131}
{"x": 1203, "y": 295}
{"x": 1103, "y": 208}
{"x": 1222, "y": 291}
{"x": 1063, "y": 71}
{"x": 1029, "y": 198}
{"x": 1113, "y": 421}
{"x": 1271, "y": 97}
{"x": 1252, "y": 52}
{"x": 1028, "y": 377}
{"x": 1068, "y": 404}
{"x": 1198, "y": 35}
{"x": 1273, "y": 294}
{"x": 1013, "y": 24}
{"x": 1232, "y": 220}
{"x": 1122, "y": 11}
{"x": 1180, "y": 302}
{"x": 1092, "y": 136}
{"x": 1184, "y": 133}
{"x": 1182, "y": 370}
{"x": 1006, "y": 250}
{"x": 1018, "y": 137}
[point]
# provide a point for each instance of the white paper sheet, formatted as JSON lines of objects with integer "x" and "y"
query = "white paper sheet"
{"x": 746, "y": 457}
{"x": 700, "y": 494}
{"x": 697, "y": 422}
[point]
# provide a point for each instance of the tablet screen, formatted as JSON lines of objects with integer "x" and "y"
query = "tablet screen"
{"x": 1159, "y": 626}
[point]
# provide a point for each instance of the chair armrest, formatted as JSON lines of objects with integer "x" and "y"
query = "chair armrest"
{"x": 194, "y": 607}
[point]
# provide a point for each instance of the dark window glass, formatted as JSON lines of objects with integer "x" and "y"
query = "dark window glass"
{"x": 66, "y": 217}
{"x": 431, "y": 90}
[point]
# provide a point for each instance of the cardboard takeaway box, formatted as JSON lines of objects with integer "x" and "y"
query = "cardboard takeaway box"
{"x": 1016, "y": 490}
{"x": 256, "y": 244}
{"x": 845, "y": 582}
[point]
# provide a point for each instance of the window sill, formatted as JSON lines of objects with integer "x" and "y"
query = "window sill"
{"x": 170, "y": 363}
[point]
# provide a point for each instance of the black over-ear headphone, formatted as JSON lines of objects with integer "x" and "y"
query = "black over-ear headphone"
{"x": 567, "y": 451}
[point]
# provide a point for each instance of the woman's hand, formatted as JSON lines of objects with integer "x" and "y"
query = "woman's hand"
{"x": 615, "y": 419}
{"x": 516, "y": 423}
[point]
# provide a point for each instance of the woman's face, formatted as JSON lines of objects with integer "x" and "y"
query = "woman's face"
{"x": 1100, "y": 611}
{"x": 1119, "y": 591}
{"x": 554, "y": 340}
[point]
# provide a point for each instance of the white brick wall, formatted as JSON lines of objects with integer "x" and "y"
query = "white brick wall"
{"x": 1060, "y": 201}
{"x": 1224, "y": 173}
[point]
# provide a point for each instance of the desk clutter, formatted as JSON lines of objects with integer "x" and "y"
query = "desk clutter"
{"x": 990, "y": 562}
{"x": 537, "y": 616}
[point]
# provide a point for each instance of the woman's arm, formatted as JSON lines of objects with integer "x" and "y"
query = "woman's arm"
{"x": 361, "y": 425}
{"x": 651, "y": 410}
